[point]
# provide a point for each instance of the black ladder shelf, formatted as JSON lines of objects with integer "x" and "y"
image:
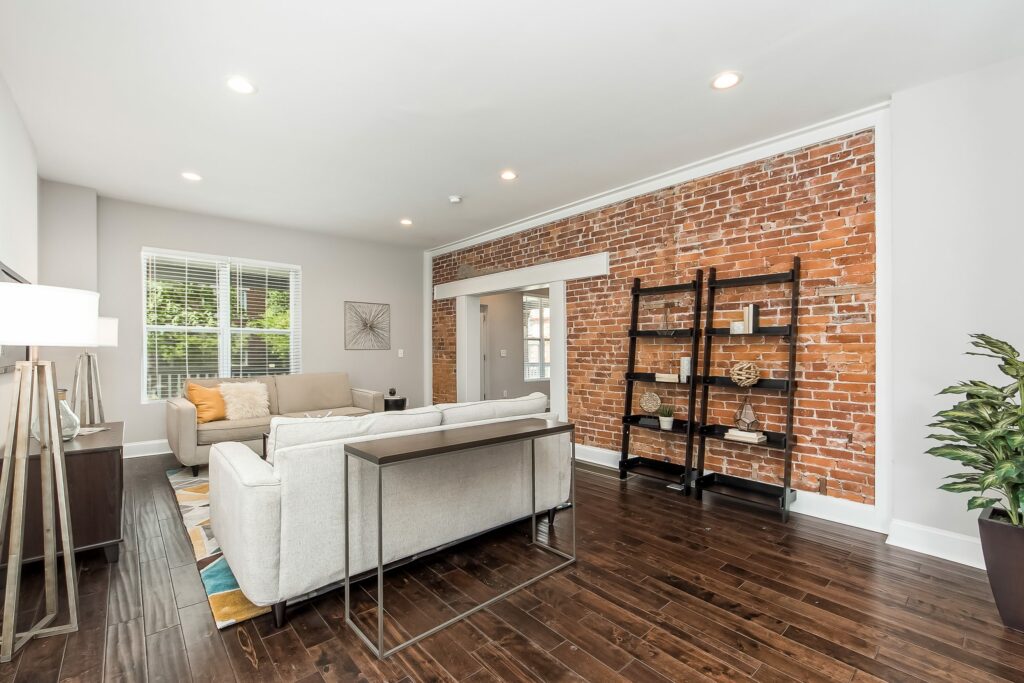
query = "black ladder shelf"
{"x": 685, "y": 427}
{"x": 760, "y": 493}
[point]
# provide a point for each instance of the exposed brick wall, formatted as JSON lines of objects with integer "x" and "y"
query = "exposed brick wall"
{"x": 817, "y": 203}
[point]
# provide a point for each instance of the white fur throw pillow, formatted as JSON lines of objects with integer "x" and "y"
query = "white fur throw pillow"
{"x": 244, "y": 400}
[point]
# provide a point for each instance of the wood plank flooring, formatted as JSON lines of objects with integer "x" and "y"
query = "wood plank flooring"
{"x": 665, "y": 590}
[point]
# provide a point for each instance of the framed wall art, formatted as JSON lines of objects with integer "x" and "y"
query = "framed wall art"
{"x": 367, "y": 326}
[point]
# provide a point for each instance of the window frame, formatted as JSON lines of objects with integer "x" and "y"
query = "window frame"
{"x": 543, "y": 366}
{"x": 224, "y": 329}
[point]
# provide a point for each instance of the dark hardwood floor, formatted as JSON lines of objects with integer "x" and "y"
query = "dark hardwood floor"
{"x": 664, "y": 590}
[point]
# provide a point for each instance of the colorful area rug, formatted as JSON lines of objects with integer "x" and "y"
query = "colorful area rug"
{"x": 228, "y": 604}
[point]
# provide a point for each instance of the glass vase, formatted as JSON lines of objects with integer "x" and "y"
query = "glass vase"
{"x": 70, "y": 425}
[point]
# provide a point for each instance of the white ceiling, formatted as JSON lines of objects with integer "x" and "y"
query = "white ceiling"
{"x": 371, "y": 111}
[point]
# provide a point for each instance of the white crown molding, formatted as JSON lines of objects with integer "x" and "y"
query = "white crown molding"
{"x": 841, "y": 125}
{"x": 937, "y": 542}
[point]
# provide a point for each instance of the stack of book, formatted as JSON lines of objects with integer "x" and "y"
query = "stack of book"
{"x": 751, "y": 322}
{"x": 745, "y": 437}
{"x": 666, "y": 377}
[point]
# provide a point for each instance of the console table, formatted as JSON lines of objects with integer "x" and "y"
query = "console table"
{"x": 391, "y": 452}
{"x": 95, "y": 487}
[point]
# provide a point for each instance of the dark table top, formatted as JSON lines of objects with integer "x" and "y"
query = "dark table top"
{"x": 109, "y": 439}
{"x": 390, "y": 450}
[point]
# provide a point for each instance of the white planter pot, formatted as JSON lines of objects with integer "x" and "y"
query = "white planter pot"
{"x": 666, "y": 422}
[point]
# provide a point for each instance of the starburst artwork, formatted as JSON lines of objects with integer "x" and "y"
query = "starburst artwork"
{"x": 367, "y": 326}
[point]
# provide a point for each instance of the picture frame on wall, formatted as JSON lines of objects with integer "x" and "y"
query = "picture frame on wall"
{"x": 9, "y": 355}
{"x": 367, "y": 326}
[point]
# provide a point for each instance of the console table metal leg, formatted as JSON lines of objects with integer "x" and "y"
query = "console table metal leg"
{"x": 380, "y": 560}
{"x": 533, "y": 491}
{"x": 347, "y": 532}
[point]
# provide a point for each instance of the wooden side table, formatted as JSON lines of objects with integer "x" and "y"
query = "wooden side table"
{"x": 95, "y": 492}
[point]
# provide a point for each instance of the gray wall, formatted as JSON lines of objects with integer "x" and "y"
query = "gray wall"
{"x": 67, "y": 253}
{"x": 18, "y": 220}
{"x": 333, "y": 269}
{"x": 957, "y": 245}
{"x": 505, "y": 331}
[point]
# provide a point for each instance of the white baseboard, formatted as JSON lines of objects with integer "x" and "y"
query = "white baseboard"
{"x": 139, "y": 449}
{"x": 812, "y": 504}
{"x": 597, "y": 456}
{"x": 929, "y": 540}
{"x": 839, "y": 510}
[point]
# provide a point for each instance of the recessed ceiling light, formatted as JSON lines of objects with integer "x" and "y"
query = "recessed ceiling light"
{"x": 406, "y": 221}
{"x": 509, "y": 175}
{"x": 191, "y": 176}
{"x": 726, "y": 79}
{"x": 241, "y": 85}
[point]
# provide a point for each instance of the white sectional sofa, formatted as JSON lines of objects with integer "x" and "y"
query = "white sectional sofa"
{"x": 280, "y": 524}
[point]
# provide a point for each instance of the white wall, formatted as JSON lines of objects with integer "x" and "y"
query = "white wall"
{"x": 505, "y": 331}
{"x": 18, "y": 221}
{"x": 958, "y": 237}
{"x": 67, "y": 253}
{"x": 334, "y": 270}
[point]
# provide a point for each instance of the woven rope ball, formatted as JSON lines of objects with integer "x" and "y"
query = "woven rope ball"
{"x": 745, "y": 373}
{"x": 650, "y": 401}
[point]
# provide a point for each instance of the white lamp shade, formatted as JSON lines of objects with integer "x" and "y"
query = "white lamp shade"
{"x": 37, "y": 315}
{"x": 106, "y": 332}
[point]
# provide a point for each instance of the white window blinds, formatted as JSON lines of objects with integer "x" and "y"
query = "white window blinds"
{"x": 536, "y": 338}
{"x": 213, "y": 316}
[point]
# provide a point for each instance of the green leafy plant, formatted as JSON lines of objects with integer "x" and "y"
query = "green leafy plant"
{"x": 665, "y": 411}
{"x": 986, "y": 434}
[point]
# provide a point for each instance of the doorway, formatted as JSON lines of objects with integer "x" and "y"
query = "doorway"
{"x": 515, "y": 343}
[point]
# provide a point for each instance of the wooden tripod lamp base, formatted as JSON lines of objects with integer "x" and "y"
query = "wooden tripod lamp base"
{"x": 34, "y": 316}
{"x": 37, "y": 375}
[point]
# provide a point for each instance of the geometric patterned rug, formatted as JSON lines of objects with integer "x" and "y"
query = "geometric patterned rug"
{"x": 227, "y": 602}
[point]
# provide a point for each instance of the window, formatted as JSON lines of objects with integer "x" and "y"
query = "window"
{"x": 212, "y": 316}
{"x": 536, "y": 338}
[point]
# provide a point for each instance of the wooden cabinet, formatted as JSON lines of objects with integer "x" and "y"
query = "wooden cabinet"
{"x": 95, "y": 490}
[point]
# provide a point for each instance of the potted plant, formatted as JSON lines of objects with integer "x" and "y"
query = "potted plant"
{"x": 985, "y": 433}
{"x": 665, "y": 416}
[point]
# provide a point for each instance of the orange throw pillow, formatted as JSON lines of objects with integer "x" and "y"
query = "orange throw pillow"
{"x": 208, "y": 401}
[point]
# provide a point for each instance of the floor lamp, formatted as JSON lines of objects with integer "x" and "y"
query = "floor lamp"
{"x": 86, "y": 392}
{"x": 34, "y": 316}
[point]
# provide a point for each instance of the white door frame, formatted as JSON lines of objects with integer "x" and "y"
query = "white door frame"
{"x": 467, "y": 295}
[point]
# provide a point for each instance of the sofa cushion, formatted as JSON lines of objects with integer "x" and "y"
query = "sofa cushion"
{"x": 245, "y": 400}
{"x": 208, "y": 401}
{"x": 214, "y": 382}
{"x": 345, "y": 411}
{"x": 293, "y": 431}
{"x": 474, "y": 411}
{"x": 313, "y": 391}
{"x": 232, "y": 430}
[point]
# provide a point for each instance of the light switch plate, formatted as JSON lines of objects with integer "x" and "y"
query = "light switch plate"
{"x": 504, "y": 353}
{"x": 401, "y": 353}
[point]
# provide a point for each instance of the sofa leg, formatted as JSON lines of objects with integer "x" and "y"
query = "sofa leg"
{"x": 551, "y": 516}
{"x": 195, "y": 470}
{"x": 279, "y": 617}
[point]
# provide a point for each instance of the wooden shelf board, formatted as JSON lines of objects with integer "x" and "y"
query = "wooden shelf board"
{"x": 775, "y": 441}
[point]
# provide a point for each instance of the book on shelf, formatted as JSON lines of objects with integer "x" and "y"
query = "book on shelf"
{"x": 666, "y": 377}
{"x": 741, "y": 436}
{"x": 751, "y": 318}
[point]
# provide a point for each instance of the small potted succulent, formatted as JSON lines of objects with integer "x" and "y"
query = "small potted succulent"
{"x": 665, "y": 416}
{"x": 985, "y": 433}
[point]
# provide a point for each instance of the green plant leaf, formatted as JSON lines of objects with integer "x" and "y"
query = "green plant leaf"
{"x": 979, "y": 502}
{"x": 997, "y": 346}
{"x": 960, "y": 487}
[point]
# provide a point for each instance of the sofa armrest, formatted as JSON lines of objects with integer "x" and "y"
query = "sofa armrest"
{"x": 181, "y": 430}
{"x": 245, "y": 512}
{"x": 368, "y": 400}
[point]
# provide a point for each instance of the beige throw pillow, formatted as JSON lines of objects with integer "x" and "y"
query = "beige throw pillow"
{"x": 245, "y": 400}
